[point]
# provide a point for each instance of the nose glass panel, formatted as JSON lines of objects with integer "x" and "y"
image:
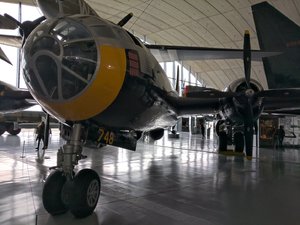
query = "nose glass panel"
{"x": 46, "y": 67}
{"x": 60, "y": 59}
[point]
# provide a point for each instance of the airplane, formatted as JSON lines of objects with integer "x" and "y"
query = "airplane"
{"x": 14, "y": 99}
{"x": 106, "y": 86}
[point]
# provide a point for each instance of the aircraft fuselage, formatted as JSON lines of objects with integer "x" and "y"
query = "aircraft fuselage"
{"x": 86, "y": 68}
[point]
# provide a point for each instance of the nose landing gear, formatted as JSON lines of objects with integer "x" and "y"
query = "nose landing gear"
{"x": 63, "y": 190}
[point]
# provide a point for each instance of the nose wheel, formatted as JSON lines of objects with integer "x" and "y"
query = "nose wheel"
{"x": 52, "y": 193}
{"x": 86, "y": 191}
{"x": 79, "y": 195}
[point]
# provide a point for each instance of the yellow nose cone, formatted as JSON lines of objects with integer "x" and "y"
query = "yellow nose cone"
{"x": 101, "y": 93}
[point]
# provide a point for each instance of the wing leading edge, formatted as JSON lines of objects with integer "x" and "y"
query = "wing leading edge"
{"x": 167, "y": 53}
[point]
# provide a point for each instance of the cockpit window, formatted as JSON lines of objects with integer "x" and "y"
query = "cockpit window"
{"x": 62, "y": 59}
{"x": 66, "y": 30}
{"x": 78, "y": 64}
{"x": 46, "y": 67}
{"x": 103, "y": 31}
{"x": 46, "y": 43}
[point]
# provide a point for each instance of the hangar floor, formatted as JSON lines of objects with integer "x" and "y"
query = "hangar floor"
{"x": 184, "y": 182}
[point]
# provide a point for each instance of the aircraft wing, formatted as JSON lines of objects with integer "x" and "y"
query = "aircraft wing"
{"x": 188, "y": 106}
{"x": 168, "y": 53}
{"x": 3, "y": 56}
{"x": 209, "y": 101}
{"x": 26, "y": 2}
{"x": 11, "y": 40}
{"x": 281, "y": 100}
{"x": 13, "y": 99}
{"x": 281, "y": 112}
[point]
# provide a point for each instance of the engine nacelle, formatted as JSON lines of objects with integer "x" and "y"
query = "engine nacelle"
{"x": 240, "y": 86}
{"x": 235, "y": 108}
{"x": 156, "y": 134}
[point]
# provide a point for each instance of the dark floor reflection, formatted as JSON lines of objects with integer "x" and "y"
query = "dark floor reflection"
{"x": 181, "y": 181}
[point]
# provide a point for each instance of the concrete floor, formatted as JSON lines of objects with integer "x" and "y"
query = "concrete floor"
{"x": 170, "y": 182}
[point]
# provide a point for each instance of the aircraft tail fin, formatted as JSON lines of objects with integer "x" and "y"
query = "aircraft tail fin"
{"x": 276, "y": 32}
{"x": 274, "y": 29}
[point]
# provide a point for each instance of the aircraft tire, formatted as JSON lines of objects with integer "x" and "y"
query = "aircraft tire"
{"x": 222, "y": 141}
{"x": 14, "y": 132}
{"x": 11, "y": 131}
{"x": 156, "y": 134}
{"x": 86, "y": 192}
{"x": 2, "y": 129}
{"x": 52, "y": 193}
{"x": 138, "y": 135}
{"x": 238, "y": 141}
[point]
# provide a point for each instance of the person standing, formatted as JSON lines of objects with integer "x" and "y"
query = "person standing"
{"x": 40, "y": 134}
{"x": 202, "y": 129}
{"x": 281, "y": 134}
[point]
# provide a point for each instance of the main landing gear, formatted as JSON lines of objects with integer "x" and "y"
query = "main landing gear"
{"x": 64, "y": 190}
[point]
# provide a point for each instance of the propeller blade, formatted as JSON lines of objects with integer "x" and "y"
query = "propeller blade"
{"x": 39, "y": 20}
{"x": 12, "y": 20}
{"x": 7, "y": 23}
{"x": 26, "y": 27}
{"x": 248, "y": 133}
{"x": 247, "y": 58}
{"x": 177, "y": 80}
{"x": 4, "y": 57}
{"x": 123, "y": 21}
{"x": 248, "y": 129}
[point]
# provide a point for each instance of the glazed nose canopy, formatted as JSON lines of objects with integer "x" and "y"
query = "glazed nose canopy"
{"x": 60, "y": 59}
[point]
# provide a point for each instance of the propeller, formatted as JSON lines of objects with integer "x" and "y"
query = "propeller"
{"x": 125, "y": 20}
{"x": 6, "y": 23}
{"x": 177, "y": 80}
{"x": 25, "y": 28}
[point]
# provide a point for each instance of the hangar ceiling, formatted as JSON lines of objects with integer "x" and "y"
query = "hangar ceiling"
{"x": 205, "y": 23}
